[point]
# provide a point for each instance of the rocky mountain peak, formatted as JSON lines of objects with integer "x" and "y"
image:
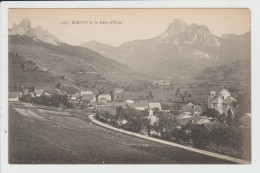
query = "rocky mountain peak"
{"x": 25, "y": 25}
{"x": 25, "y": 28}
{"x": 176, "y": 26}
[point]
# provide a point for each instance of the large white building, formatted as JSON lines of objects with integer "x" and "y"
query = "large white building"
{"x": 222, "y": 102}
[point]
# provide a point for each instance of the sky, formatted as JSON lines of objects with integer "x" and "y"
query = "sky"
{"x": 134, "y": 23}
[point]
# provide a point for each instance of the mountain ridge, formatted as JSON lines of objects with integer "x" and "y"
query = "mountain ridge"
{"x": 188, "y": 48}
{"x": 74, "y": 62}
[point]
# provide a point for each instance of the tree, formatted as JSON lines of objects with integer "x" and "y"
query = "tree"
{"x": 166, "y": 125}
{"x": 211, "y": 112}
{"x": 183, "y": 134}
{"x": 58, "y": 85}
{"x": 112, "y": 95}
{"x": 236, "y": 140}
{"x": 200, "y": 136}
{"x": 178, "y": 92}
{"x": 243, "y": 103}
{"x": 186, "y": 93}
{"x": 219, "y": 136}
{"x": 165, "y": 106}
{"x": 151, "y": 95}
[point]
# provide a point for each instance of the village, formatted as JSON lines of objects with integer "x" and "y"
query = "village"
{"x": 200, "y": 125}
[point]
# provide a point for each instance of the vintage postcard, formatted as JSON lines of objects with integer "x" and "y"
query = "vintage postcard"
{"x": 129, "y": 86}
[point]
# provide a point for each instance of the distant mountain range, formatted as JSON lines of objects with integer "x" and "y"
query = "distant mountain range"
{"x": 73, "y": 62}
{"x": 181, "y": 50}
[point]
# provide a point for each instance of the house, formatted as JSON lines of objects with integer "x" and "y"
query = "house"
{"x": 74, "y": 96}
{"x": 139, "y": 106}
{"x": 119, "y": 90}
{"x": 155, "y": 105}
{"x": 46, "y": 94}
{"x": 191, "y": 108}
{"x": 38, "y": 92}
{"x": 222, "y": 102}
{"x": 88, "y": 97}
{"x": 13, "y": 97}
{"x": 25, "y": 91}
{"x": 32, "y": 94}
{"x": 184, "y": 118}
{"x": 245, "y": 121}
{"x": 104, "y": 98}
{"x": 62, "y": 94}
{"x": 129, "y": 101}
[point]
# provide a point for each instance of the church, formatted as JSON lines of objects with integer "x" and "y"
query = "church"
{"x": 222, "y": 102}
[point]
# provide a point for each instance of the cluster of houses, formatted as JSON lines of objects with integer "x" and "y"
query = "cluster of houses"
{"x": 189, "y": 113}
{"x": 78, "y": 96}
{"x": 161, "y": 82}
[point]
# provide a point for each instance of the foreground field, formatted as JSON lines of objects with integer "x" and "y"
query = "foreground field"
{"x": 56, "y": 139}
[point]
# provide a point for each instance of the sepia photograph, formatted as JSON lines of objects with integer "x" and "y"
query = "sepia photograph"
{"x": 129, "y": 86}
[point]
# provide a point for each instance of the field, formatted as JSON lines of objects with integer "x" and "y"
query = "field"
{"x": 57, "y": 139}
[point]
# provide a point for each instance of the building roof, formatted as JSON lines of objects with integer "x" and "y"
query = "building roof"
{"x": 32, "y": 94}
{"x": 155, "y": 105}
{"x": 86, "y": 92}
{"x": 26, "y": 91}
{"x": 191, "y": 108}
{"x": 104, "y": 96}
{"x": 38, "y": 91}
{"x": 249, "y": 114}
{"x": 12, "y": 95}
{"x": 203, "y": 121}
{"x": 57, "y": 90}
{"x": 169, "y": 115}
{"x": 246, "y": 120}
{"x": 224, "y": 92}
{"x": 119, "y": 89}
{"x": 62, "y": 93}
{"x": 47, "y": 93}
{"x": 75, "y": 95}
{"x": 184, "y": 116}
{"x": 87, "y": 96}
{"x": 117, "y": 104}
